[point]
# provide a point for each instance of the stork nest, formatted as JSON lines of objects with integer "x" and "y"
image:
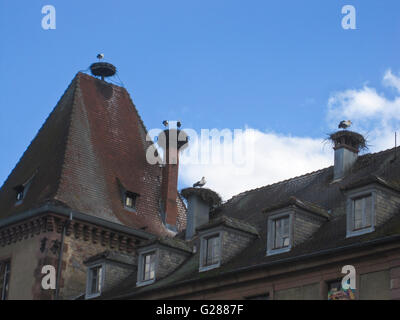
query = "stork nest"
{"x": 209, "y": 196}
{"x": 348, "y": 138}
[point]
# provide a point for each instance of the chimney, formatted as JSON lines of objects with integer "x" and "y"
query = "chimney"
{"x": 172, "y": 141}
{"x": 200, "y": 202}
{"x": 347, "y": 145}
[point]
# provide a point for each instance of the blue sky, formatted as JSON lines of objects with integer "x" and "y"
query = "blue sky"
{"x": 273, "y": 66}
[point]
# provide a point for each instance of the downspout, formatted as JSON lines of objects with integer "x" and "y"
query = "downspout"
{"x": 59, "y": 266}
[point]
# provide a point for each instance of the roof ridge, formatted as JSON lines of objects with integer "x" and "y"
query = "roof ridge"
{"x": 302, "y": 176}
{"x": 76, "y": 81}
{"x": 279, "y": 182}
{"x": 149, "y": 142}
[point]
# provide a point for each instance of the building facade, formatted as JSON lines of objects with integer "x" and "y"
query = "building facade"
{"x": 85, "y": 199}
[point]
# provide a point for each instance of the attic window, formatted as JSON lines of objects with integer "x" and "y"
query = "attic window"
{"x": 130, "y": 200}
{"x": 147, "y": 268}
{"x": 94, "y": 281}
{"x": 360, "y": 215}
{"x": 210, "y": 252}
{"x": 20, "y": 193}
{"x": 279, "y": 233}
{"x": 4, "y": 279}
{"x": 362, "y": 212}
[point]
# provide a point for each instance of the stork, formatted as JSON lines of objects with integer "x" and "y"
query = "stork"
{"x": 345, "y": 124}
{"x": 200, "y": 183}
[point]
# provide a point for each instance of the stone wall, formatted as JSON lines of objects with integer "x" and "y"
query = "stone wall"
{"x": 233, "y": 243}
{"x": 169, "y": 261}
{"x": 305, "y": 224}
{"x": 387, "y": 204}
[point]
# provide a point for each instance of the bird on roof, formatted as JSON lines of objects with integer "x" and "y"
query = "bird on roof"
{"x": 200, "y": 183}
{"x": 165, "y": 123}
{"x": 345, "y": 124}
{"x": 100, "y": 56}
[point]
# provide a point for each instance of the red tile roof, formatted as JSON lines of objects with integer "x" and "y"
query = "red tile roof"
{"x": 93, "y": 137}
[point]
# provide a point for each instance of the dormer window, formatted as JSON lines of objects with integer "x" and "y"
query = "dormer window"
{"x": 149, "y": 261}
{"x": 94, "y": 281}
{"x": 361, "y": 214}
{"x": 279, "y": 233}
{"x": 147, "y": 268}
{"x": 130, "y": 200}
{"x": 210, "y": 254}
{"x": 22, "y": 189}
{"x": 20, "y": 193}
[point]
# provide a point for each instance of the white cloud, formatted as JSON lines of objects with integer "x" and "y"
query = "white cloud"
{"x": 277, "y": 157}
{"x": 373, "y": 114}
{"x": 270, "y": 157}
{"x": 391, "y": 80}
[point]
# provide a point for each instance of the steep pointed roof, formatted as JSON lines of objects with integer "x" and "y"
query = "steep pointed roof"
{"x": 92, "y": 143}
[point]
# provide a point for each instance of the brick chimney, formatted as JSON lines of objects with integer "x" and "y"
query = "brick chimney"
{"x": 172, "y": 141}
{"x": 347, "y": 145}
{"x": 200, "y": 202}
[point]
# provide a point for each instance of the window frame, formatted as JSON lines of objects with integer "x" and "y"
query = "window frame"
{"x": 6, "y": 279}
{"x": 89, "y": 278}
{"x": 141, "y": 267}
{"x": 271, "y": 232}
{"x": 134, "y": 197}
{"x": 204, "y": 250}
{"x": 351, "y": 230}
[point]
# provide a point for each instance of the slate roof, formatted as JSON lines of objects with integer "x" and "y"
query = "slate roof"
{"x": 294, "y": 202}
{"x": 169, "y": 242}
{"x": 112, "y": 256}
{"x": 93, "y": 137}
{"x": 230, "y": 222}
{"x": 315, "y": 188}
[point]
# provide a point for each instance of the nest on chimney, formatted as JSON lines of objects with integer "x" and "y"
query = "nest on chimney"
{"x": 209, "y": 196}
{"x": 349, "y": 139}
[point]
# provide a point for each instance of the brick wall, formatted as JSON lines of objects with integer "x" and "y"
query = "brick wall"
{"x": 76, "y": 251}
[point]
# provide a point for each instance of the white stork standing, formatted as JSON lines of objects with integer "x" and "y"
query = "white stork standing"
{"x": 200, "y": 183}
{"x": 345, "y": 124}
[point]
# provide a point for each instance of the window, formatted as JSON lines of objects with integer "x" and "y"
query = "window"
{"x": 211, "y": 251}
{"x": 95, "y": 281}
{"x": 20, "y": 193}
{"x": 360, "y": 215}
{"x": 130, "y": 200}
{"x": 5, "y": 267}
{"x": 147, "y": 268}
{"x": 279, "y": 233}
{"x": 149, "y": 264}
{"x": 210, "y": 254}
{"x": 362, "y": 212}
